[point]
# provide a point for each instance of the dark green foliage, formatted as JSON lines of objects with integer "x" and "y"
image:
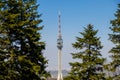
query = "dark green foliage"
{"x": 90, "y": 63}
{"x": 21, "y": 56}
{"x": 115, "y": 38}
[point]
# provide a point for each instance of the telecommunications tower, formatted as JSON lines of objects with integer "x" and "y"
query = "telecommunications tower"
{"x": 59, "y": 46}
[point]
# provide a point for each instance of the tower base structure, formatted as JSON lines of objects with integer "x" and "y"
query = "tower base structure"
{"x": 60, "y": 77}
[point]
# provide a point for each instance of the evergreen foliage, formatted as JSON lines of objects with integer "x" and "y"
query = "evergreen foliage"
{"x": 89, "y": 64}
{"x": 115, "y": 51}
{"x": 21, "y": 56}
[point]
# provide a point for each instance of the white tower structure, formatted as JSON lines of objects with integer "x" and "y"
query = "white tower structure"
{"x": 59, "y": 46}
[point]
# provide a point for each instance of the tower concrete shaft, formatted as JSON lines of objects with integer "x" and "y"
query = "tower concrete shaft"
{"x": 60, "y": 77}
{"x": 59, "y": 46}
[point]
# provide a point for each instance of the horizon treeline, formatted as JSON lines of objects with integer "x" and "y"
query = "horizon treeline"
{"x": 21, "y": 47}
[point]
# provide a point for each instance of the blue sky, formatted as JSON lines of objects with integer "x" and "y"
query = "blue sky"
{"x": 75, "y": 14}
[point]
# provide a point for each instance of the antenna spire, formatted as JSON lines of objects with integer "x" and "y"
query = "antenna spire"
{"x": 59, "y": 25}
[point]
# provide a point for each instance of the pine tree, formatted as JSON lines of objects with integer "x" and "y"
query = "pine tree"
{"x": 89, "y": 64}
{"x": 115, "y": 51}
{"x": 21, "y": 55}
